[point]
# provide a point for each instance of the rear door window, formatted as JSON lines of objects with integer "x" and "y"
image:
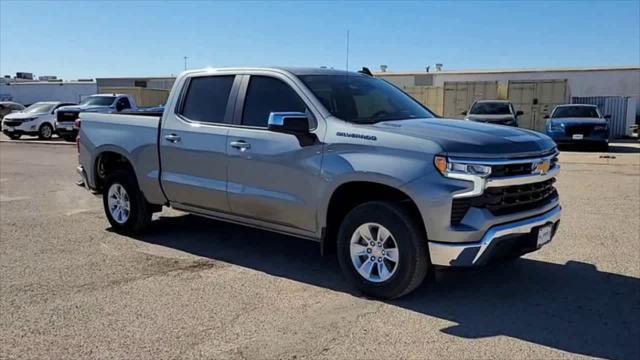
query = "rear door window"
{"x": 206, "y": 99}
{"x": 266, "y": 95}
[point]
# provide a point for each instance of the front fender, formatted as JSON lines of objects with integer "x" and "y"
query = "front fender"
{"x": 347, "y": 163}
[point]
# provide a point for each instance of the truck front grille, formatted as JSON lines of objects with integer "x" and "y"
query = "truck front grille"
{"x": 66, "y": 116}
{"x": 578, "y": 129}
{"x": 510, "y": 199}
{"x": 516, "y": 169}
{"x": 506, "y": 200}
{"x": 12, "y": 122}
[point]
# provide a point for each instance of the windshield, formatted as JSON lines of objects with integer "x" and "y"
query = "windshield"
{"x": 576, "y": 112}
{"x": 489, "y": 108}
{"x": 363, "y": 99}
{"x": 39, "y": 108}
{"x": 98, "y": 100}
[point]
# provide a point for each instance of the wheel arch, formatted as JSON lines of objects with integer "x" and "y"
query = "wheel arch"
{"x": 350, "y": 194}
{"x": 107, "y": 160}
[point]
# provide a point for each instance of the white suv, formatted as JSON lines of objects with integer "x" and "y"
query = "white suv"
{"x": 36, "y": 120}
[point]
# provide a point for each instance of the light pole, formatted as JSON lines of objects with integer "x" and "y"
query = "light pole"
{"x": 185, "y": 62}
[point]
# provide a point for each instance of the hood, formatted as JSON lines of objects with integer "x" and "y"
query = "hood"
{"x": 579, "y": 121}
{"x": 461, "y": 138}
{"x": 489, "y": 118}
{"x": 22, "y": 116}
{"x": 82, "y": 108}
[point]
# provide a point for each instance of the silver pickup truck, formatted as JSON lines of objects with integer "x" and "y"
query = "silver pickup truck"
{"x": 337, "y": 157}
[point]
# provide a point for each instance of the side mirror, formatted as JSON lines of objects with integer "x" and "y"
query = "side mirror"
{"x": 607, "y": 116}
{"x": 519, "y": 112}
{"x": 295, "y": 123}
{"x": 546, "y": 116}
{"x": 463, "y": 113}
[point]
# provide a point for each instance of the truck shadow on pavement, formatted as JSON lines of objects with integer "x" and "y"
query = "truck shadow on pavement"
{"x": 571, "y": 307}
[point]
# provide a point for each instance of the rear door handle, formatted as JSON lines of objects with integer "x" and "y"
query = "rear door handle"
{"x": 173, "y": 138}
{"x": 240, "y": 145}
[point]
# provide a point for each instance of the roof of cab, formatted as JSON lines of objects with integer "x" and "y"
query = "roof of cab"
{"x": 298, "y": 71}
{"x": 565, "y": 105}
{"x": 493, "y": 101}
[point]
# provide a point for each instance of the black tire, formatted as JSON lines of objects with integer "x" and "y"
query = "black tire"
{"x": 14, "y": 136}
{"x": 411, "y": 246}
{"x": 140, "y": 211}
{"x": 45, "y": 132}
{"x": 604, "y": 147}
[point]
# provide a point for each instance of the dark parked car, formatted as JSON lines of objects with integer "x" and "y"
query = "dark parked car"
{"x": 500, "y": 112}
{"x": 578, "y": 124}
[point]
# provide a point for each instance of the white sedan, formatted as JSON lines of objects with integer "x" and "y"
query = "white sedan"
{"x": 36, "y": 120}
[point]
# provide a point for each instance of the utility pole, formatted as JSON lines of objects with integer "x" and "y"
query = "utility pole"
{"x": 185, "y": 62}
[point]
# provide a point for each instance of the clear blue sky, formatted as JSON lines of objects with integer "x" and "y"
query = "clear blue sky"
{"x": 104, "y": 38}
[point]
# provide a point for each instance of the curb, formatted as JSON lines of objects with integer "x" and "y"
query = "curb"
{"x": 36, "y": 142}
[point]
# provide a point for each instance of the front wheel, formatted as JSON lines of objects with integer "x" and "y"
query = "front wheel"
{"x": 382, "y": 250}
{"x": 124, "y": 204}
{"x": 45, "y": 132}
{"x": 14, "y": 136}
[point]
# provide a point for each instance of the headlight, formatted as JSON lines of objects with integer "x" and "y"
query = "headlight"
{"x": 556, "y": 127}
{"x": 600, "y": 128}
{"x": 447, "y": 167}
{"x": 29, "y": 119}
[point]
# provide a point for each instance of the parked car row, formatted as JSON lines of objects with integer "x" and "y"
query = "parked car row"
{"x": 46, "y": 118}
{"x": 568, "y": 124}
{"x": 36, "y": 120}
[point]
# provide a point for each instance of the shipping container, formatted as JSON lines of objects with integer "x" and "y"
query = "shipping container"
{"x": 536, "y": 98}
{"x": 430, "y": 96}
{"x": 459, "y": 95}
{"x": 621, "y": 109}
{"x": 144, "y": 97}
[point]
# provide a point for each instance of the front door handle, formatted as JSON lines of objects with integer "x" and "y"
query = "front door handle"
{"x": 240, "y": 145}
{"x": 173, "y": 138}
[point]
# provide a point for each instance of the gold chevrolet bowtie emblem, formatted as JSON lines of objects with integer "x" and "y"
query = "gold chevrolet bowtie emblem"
{"x": 541, "y": 167}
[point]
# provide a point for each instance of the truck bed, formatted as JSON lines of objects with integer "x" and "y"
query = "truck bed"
{"x": 134, "y": 136}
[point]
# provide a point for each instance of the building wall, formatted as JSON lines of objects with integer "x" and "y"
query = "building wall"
{"x": 581, "y": 83}
{"x": 151, "y": 83}
{"x": 613, "y": 82}
{"x": 144, "y": 97}
{"x": 32, "y": 92}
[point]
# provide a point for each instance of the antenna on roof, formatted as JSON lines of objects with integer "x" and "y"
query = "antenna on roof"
{"x": 347, "y": 50}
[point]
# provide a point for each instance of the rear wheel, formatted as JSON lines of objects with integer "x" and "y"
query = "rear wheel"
{"x": 45, "y": 132}
{"x": 382, "y": 250}
{"x": 14, "y": 136}
{"x": 124, "y": 204}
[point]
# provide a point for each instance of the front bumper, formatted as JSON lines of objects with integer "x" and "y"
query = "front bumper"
{"x": 518, "y": 236}
{"x": 66, "y": 128}
{"x": 28, "y": 128}
{"x": 559, "y": 137}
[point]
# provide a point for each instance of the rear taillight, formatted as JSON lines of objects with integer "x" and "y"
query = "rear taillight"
{"x": 76, "y": 125}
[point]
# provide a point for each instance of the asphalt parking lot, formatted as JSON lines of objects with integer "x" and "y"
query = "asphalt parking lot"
{"x": 192, "y": 287}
